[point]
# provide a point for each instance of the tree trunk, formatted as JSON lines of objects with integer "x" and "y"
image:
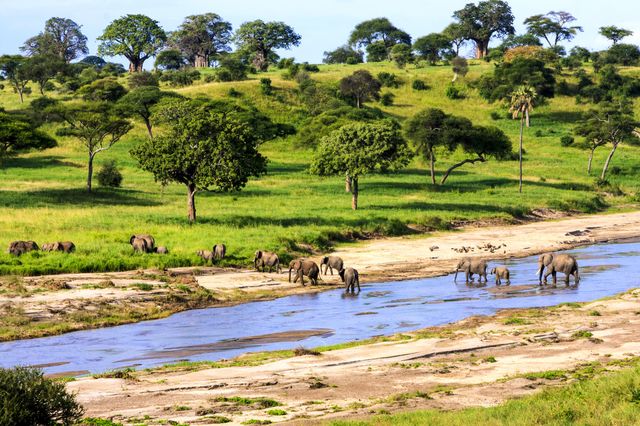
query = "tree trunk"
{"x": 482, "y": 48}
{"x": 432, "y": 166}
{"x": 90, "y": 172}
{"x": 521, "y": 134}
{"x": 606, "y": 163}
{"x": 593, "y": 150}
{"x": 147, "y": 123}
{"x": 20, "y": 92}
{"x": 201, "y": 61}
{"x": 462, "y": 163}
{"x": 354, "y": 193}
{"x": 347, "y": 183}
{"x": 135, "y": 65}
{"x": 526, "y": 113}
{"x": 191, "y": 202}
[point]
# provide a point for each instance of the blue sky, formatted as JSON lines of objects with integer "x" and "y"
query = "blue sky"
{"x": 323, "y": 24}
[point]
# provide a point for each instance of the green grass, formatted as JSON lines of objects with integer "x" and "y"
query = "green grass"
{"x": 42, "y": 194}
{"x": 612, "y": 399}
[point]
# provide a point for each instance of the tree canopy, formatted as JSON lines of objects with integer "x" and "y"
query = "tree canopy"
{"x": 615, "y": 34}
{"x": 343, "y": 55}
{"x": 378, "y": 30}
{"x": 61, "y": 37}
{"x": 482, "y": 22}
{"x": 136, "y": 37}
{"x": 553, "y": 27}
{"x": 433, "y": 47}
{"x": 202, "y": 38}
{"x": 18, "y": 134}
{"x": 360, "y": 86}
{"x": 259, "y": 39}
{"x": 15, "y": 69}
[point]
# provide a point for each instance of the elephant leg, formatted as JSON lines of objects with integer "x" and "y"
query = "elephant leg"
{"x": 331, "y": 269}
{"x": 566, "y": 280}
{"x": 301, "y": 275}
{"x": 498, "y": 282}
{"x": 554, "y": 274}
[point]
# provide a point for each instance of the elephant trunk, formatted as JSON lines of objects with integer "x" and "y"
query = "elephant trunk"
{"x": 289, "y": 274}
{"x": 539, "y": 272}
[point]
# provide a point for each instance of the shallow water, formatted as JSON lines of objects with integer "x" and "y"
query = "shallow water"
{"x": 319, "y": 319}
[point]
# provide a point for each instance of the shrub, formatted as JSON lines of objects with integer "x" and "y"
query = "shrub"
{"x": 210, "y": 78}
{"x": 265, "y": 86}
{"x": 233, "y": 93}
{"x": 145, "y": 78}
{"x": 387, "y": 99}
{"x": 389, "y": 80}
{"x": 615, "y": 171}
{"x": 27, "y": 398}
{"x": 183, "y": 77}
{"x": 419, "y": 85}
{"x": 454, "y": 93}
{"x": 567, "y": 140}
{"x": 495, "y": 116}
{"x": 105, "y": 89}
{"x": 109, "y": 175}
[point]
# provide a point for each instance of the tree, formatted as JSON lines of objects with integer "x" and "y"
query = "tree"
{"x": 456, "y": 35}
{"x": 358, "y": 149}
{"x": 460, "y": 67}
{"x": 401, "y": 54}
{"x": 508, "y": 76}
{"x": 61, "y": 37}
{"x": 170, "y": 59}
{"x": 202, "y": 38}
{"x": 482, "y": 22}
{"x": 42, "y": 68}
{"x": 581, "y": 53}
{"x": 594, "y": 134}
{"x": 28, "y": 398}
{"x": 343, "y": 55}
{"x": 615, "y": 34}
{"x": 136, "y": 37}
{"x": 140, "y": 101}
{"x": 553, "y": 27}
{"x": 259, "y": 39}
{"x": 623, "y": 54}
{"x": 105, "y": 89}
{"x": 19, "y": 134}
{"x": 378, "y": 30}
{"x": 98, "y": 126}
{"x": 95, "y": 61}
{"x": 204, "y": 149}
{"x": 427, "y": 131}
{"x": 433, "y": 47}
{"x": 522, "y": 102}
{"x": 15, "y": 69}
{"x": 377, "y": 52}
{"x": 361, "y": 86}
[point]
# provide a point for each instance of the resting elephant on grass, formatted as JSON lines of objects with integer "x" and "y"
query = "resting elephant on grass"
{"x": 63, "y": 246}
{"x": 143, "y": 243}
{"x": 501, "y": 273}
{"x": 351, "y": 279}
{"x": 472, "y": 266}
{"x": 219, "y": 251}
{"x": 266, "y": 259}
{"x": 304, "y": 268}
{"x": 18, "y": 248}
{"x": 331, "y": 263}
{"x": 554, "y": 263}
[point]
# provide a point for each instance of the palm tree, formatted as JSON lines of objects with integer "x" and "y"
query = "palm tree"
{"x": 522, "y": 100}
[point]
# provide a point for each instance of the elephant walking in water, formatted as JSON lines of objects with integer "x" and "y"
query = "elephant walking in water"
{"x": 472, "y": 266}
{"x": 501, "y": 273}
{"x": 351, "y": 279}
{"x": 554, "y": 263}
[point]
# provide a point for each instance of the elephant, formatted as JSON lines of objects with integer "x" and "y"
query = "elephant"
{"x": 162, "y": 250}
{"x": 554, "y": 263}
{"x": 351, "y": 279}
{"x": 331, "y": 263}
{"x": 304, "y": 267}
{"x": 266, "y": 259}
{"x": 501, "y": 273}
{"x": 470, "y": 267}
{"x": 47, "y": 246}
{"x": 143, "y": 243}
{"x": 63, "y": 246}
{"x": 206, "y": 255}
{"x": 219, "y": 251}
{"x": 18, "y": 248}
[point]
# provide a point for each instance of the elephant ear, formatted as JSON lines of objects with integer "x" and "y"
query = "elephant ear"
{"x": 258, "y": 254}
{"x": 133, "y": 237}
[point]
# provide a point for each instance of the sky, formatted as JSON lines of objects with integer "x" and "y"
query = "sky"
{"x": 323, "y": 24}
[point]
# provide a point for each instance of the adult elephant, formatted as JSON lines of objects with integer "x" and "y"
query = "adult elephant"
{"x": 351, "y": 279}
{"x": 18, "y": 248}
{"x": 303, "y": 268}
{"x": 330, "y": 263}
{"x": 219, "y": 251}
{"x": 143, "y": 243}
{"x": 472, "y": 266}
{"x": 554, "y": 263}
{"x": 266, "y": 259}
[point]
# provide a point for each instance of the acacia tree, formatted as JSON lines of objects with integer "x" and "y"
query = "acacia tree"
{"x": 615, "y": 34}
{"x": 401, "y": 54}
{"x": 98, "y": 126}
{"x": 433, "y": 47}
{"x": 204, "y": 149}
{"x": 202, "y": 38}
{"x": 381, "y": 31}
{"x": 553, "y": 27}
{"x": 361, "y": 148}
{"x": 343, "y": 55}
{"x": 136, "y": 37}
{"x": 361, "y": 86}
{"x": 259, "y": 39}
{"x": 427, "y": 130}
{"x": 140, "y": 102}
{"x": 481, "y": 22}
{"x": 594, "y": 136}
{"x": 15, "y": 69}
{"x": 456, "y": 35}
{"x": 522, "y": 102}
{"x": 61, "y": 37}
{"x": 42, "y": 68}
{"x": 19, "y": 134}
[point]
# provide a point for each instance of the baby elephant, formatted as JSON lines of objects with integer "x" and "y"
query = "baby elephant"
{"x": 162, "y": 250}
{"x": 331, "y": 263}
{"x": 18, "y": 248}
{"x": 501, "y": 273}
{"x": 304, "y": 268}
{"x": 266, "y": 259}
{"x": 206, "y": 255}
{"x": 219, "y": 251}
{"x": 351, "y": 279}
{"x": 63, "y": 246}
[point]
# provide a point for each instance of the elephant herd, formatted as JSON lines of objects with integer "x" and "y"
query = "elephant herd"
{"x": 266, "y": 260}
{"x": 552, "y": 263}
{"x": 18, "y": 248}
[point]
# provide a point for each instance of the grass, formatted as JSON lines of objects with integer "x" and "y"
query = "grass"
{"x": 611, "y": 399}
{"x": 42, "y": 196}
{"x": 244, "y": 401}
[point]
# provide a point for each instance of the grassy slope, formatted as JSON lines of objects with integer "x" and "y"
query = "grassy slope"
{"x": 42, "y": 194}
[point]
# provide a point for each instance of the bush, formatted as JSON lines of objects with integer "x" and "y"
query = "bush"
{"x": 454, "y": 93}
{"x": 387, "y": 99}
{"x": 144, "y": 78}
{"x": 389, "y": 80}
{"x": 495, "y": 115}
{"x": 105, "y": 89}
{"x": 183, "y": 77}
{"x": 109, "y": 175}
{"x": 27, "y": 398}
{"x": 567, "y": 140}
{"x": 419, "y": 85}
{"x": 265, "y": 86}
{"x": 232, "y": 68}
{"x": 233, "y": 93}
